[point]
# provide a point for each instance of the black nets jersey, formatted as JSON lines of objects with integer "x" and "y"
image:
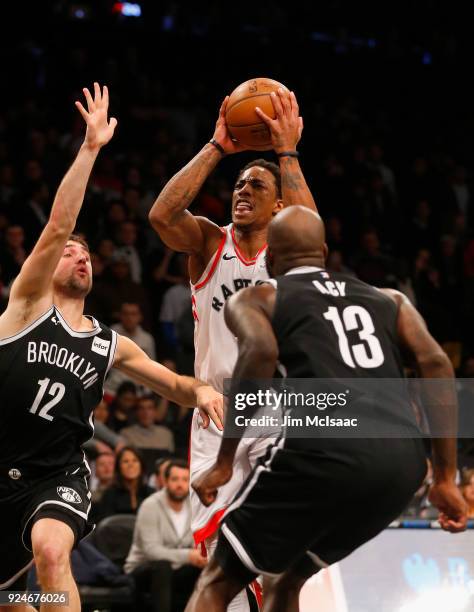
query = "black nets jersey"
{"x": 334, "y": 326}
{"x": 51, "y": 379}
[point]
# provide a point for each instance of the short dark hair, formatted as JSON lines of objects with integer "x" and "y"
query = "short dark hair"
{"x": 179, "y": 463}
{"x": 126, "y": 387}
{"x": 268, "y": 165}
{"x": 148, "y": 397}
{"x": 79, "y": 239}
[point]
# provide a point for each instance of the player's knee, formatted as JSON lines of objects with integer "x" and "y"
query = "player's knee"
{"x": 52, "y": 561}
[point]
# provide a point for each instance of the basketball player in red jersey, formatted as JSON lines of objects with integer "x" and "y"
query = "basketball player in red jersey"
{"x": 221, "y": 262}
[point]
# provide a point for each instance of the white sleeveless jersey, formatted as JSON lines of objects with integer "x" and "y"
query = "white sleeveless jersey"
{"x": 216, "y": 354}
{"x": 227, "y": 272}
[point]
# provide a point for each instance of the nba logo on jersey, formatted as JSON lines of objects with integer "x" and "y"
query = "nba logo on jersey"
{"x": 69, "y": 495}
{"x": 100, "y": 346}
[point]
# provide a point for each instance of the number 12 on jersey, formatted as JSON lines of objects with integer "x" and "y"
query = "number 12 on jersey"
{"x": 356, "y": 318}
{"x": 57, "y": 391}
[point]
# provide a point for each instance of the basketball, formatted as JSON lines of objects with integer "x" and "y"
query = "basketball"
{"x": 242, "y": 120}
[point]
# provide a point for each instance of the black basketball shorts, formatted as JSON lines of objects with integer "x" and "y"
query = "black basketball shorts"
{"x": 63, "y": 495}
{"x": 310, "y": 503}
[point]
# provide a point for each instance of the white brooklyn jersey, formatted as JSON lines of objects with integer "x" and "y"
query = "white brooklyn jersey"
{"x": 216, "y": 354}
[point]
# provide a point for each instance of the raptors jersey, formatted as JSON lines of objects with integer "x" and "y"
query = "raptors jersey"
{"x": 51, "y": 379}
{"x": 227, "y": 272}
{"x": 216, "y": 354}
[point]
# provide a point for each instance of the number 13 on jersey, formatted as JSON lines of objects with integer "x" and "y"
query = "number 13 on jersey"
{"x": 356, "y": 318}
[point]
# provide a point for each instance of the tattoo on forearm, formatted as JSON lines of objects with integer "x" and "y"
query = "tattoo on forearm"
{"x": 181, "y": 190}
{"x": 291, "y": 180}
{"x": 294, "y": 187}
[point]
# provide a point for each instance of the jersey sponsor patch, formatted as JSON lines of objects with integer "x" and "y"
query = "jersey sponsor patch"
{"x": 101, "y": 347}
{"x": 69, "y": 495}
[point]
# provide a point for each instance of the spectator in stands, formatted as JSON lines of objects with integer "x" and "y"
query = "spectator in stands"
{"x": 377, "y": 164}
{"x": 126, "y": 239}
{"x": 370, "y": 264}
{"x": 162, "y": 558}
{"x": 145, "y": 434}
{"x": 129, "y": 326}
{"x": 120, "y": 288}
{"x": 175, "y": 301}
{"x": 381, "y": 210}
{"x": 467, "y": 490}
{"x": 335, "y": 263}
{"x": 132, "y": 199}
{"x": 334, "y": 235}
{"x": 122, "y": 407}
{"x": 106, "y": 249}
{"x": 420, "y": 230}
{"x": 103, "y": 476}
{"x": 115, "y": 215}
{"x": 127, "y": 490}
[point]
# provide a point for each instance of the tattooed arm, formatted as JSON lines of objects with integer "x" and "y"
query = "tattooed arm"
{"x": 177, "y": 227}
{"x": 286, "y": 131}
{"x": 293, "y": 184}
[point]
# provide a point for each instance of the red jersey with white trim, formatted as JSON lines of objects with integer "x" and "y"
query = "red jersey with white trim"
{"x": 216, "y": 354}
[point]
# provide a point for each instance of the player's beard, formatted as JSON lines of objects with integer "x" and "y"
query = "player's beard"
{"x": 78, "y": 287}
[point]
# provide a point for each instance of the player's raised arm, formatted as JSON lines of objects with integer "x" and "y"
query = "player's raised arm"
{"x": 177, "y": 227}
{"x": 34, "y": 280}
{"x": 440, "y": 403}
{"x": 184, "y": 390}
{"x": 286, "y": 131}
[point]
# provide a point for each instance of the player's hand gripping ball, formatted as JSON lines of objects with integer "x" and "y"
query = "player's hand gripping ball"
{"x": 242, "y": 120}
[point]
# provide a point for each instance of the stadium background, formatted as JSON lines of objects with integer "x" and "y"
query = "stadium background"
{"x": 387, "y": 147}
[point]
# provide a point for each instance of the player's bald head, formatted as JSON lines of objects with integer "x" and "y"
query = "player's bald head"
{"x": 296, "y": 237}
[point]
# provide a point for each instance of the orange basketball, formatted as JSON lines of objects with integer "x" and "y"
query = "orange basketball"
{"x": 243, "y": 122}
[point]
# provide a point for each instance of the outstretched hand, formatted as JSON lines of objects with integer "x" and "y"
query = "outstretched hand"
{"x": 99, "y": 129}
{"x": 286, "y": 128}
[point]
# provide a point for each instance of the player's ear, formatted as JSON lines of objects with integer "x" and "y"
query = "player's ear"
{"x": 325, "y": 250}
{"x": 278, "y": 206}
